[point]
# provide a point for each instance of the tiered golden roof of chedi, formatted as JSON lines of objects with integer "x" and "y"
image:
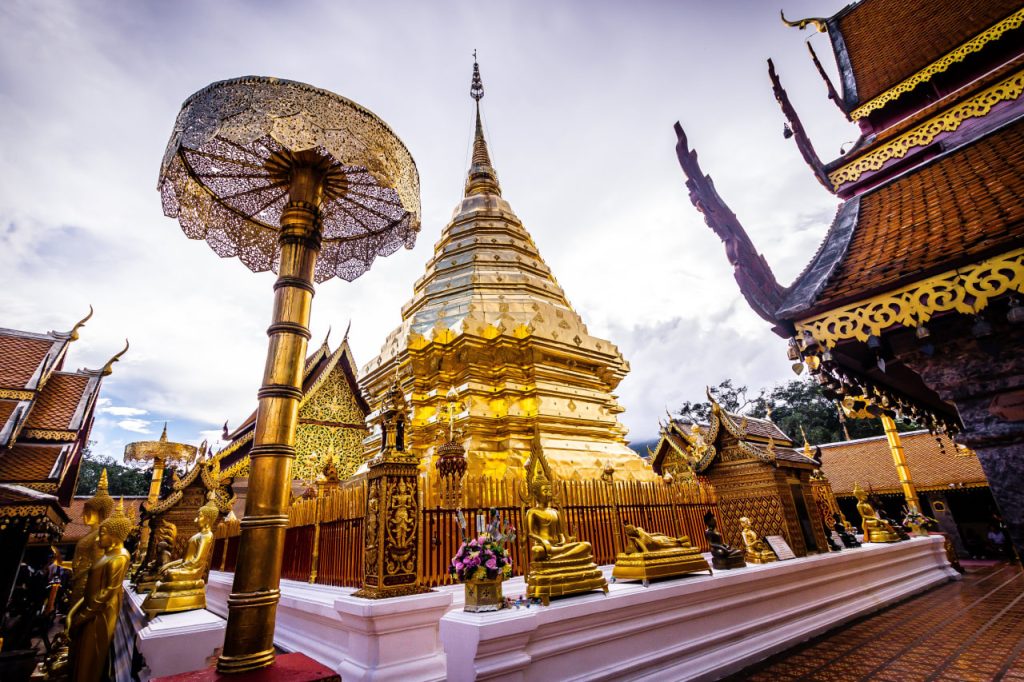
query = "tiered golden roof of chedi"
{"x": 490, "y": 319}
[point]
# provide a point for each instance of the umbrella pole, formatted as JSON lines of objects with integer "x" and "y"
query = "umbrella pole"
{"x": 252, "y": 605}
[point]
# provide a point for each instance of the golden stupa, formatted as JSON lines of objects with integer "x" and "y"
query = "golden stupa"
{"x": 490, "y": 320}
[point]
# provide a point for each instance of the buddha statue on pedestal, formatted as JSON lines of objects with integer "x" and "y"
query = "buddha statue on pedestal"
{"x": 87, "y": 551}
{"x": 875, "y": 529}
{"x": 148, "y": 575}
{"x": 93, "y": 618}
{"x": 757, "y": 551}
{"x": 182, "y": 583}
{"x": 723, "y": 556}
{"x": 560, "y": 565}
{"x": 653, "y": 555}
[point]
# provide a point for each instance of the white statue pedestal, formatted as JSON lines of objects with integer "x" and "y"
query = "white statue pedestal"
{"x": 698, "y": 627}
{"x": 174, "y": 642}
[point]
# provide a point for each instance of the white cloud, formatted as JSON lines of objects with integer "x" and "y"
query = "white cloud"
{"x": 122, "y": 411}
{"x": 585, "y": 152}
{"x": 135, "y": 425}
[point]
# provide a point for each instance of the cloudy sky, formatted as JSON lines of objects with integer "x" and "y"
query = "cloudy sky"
{"x": 579, "y": 106}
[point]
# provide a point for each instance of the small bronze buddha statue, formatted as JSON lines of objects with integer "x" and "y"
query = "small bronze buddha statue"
{"x": 841, "y": 527}
{"x": 875, "y": 529}
{"x": 92, "y": 620}
{"x": 182, "y": 583}
{"x": 560, "y": 565}
{"x": 757, "y": 551}
{"x": 723, "y": 556}
{"x": 149, "y": 573}
{"x": 653, "y": 555}
{"x": 87, "y": 551}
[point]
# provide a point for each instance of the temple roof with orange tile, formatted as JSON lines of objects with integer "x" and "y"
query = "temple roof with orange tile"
{"x": 22, "y": 354}
{"x": 75, "y": 530}
{"x": 29, "y": 462}
{"x": 958, "y": 209}
{"x": 888, "y": 41}
{"x": 869, "y": 462}
{"x": 59, "y": 402}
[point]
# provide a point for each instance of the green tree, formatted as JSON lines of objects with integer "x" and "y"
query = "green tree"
{"x": 794, "y": 404}
{"x": 121, "y": 479}
{"x": 732, "y": 398}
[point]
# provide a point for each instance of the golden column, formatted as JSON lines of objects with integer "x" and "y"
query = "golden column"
{"x": 297, "y": 180}
{"x": 900, "y": 460}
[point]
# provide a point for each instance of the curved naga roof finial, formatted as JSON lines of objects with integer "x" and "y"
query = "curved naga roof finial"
{"x": 752, "y": 272}
{"x": 817, "y": 22}
{"x": 73, "y": 334}
{"x": 108, "y": 368}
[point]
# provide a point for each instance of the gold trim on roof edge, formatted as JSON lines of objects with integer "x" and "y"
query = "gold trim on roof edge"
{"x": 946, "y": 122}
{"x": 13, "y": 394}
{"x": 966, "y": 290}
{"x": 50, "y": 434}
{"x": 940, "y": 65}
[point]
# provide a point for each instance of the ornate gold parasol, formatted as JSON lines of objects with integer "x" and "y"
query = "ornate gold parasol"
{"x": 297, "y": 180}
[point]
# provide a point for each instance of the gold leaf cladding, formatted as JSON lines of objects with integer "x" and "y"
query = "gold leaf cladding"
{"x": 947, "y": 122}
{"x": 941, "y": 64}
{"x": 967, "y": 290}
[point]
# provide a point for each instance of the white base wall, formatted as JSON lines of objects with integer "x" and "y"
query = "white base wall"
{"x": 694, "y": 628}
{"x": 698, "y": 627}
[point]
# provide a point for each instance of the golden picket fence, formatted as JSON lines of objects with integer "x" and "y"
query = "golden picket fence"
{"x": 595, "y": 511}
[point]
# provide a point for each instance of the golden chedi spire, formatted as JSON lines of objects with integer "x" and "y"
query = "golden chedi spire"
{"x": 482, "y": 177}
{"x": 489, "y": 318}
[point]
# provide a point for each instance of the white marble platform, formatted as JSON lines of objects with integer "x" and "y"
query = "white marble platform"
{"x": 361, "y": 639}
{"x": 698, "y": 627}
{"x": 175, "y": 642}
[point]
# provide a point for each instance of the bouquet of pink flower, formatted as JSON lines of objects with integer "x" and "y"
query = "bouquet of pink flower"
{"x": 484, "y": 556}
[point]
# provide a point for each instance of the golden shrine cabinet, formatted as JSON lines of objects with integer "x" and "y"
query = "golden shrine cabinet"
{"x": 756, "y": 472}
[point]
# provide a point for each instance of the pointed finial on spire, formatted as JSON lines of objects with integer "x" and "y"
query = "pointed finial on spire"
{"x": 163, "y": 436}
{"x": 482, "y": 177}
{"x": 102, "y": 486}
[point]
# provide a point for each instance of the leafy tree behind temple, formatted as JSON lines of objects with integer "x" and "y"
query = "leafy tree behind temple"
{"x": 121, "y": 479}
{"x": 793, "y": 404}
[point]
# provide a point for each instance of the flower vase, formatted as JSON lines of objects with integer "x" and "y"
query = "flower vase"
{"x": 484, "y": 594}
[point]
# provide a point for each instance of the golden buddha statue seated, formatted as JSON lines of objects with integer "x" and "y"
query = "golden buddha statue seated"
{"x": 560, "y": 565}
{"x": 757, "y": 550}
{"x": 182, "y": 583}
{"x": 653, "y": 555}
{"x": 875, "y": 528}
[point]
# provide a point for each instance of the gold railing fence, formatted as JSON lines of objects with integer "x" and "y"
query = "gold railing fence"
{"x": 593, "y": 510}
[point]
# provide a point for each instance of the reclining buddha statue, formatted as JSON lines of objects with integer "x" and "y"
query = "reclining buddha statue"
{"x": 653, "y": 555}
{"x": 875, "y": 528}
{"x": 182, "y": 583}
{"x": 560, "y": 565}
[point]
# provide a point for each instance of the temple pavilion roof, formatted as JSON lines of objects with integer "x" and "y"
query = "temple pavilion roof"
{"x": 889, "y": 41}
{"x": 761, "y": 438}
{"x": 935, "y": 463}
{"x": 319, "y": 365}
{"x": 921, "y": 223}
{"x": 46, "y": 414}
